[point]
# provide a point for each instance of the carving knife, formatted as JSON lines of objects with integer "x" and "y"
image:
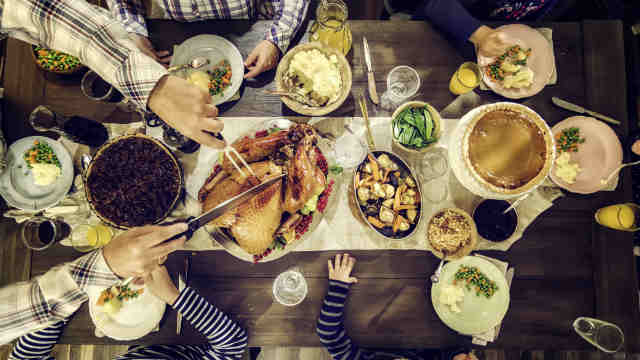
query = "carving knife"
{"x": 580, "y": 110}
{"x": 371, "y": 80}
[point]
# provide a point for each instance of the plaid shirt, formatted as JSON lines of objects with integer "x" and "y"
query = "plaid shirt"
{"x": 287, "y": 14}
{"x": 52, "y": 297}
{"x": 88, "y": 32}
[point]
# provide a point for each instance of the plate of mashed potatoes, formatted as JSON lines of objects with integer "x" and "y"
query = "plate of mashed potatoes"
{"x": 38, "y": 175}
{"x": 317, "y": 78}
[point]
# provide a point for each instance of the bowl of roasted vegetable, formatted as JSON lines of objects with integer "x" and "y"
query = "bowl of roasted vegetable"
{"x": 55, "y": 61}
{"x": 415, "y": 126}
{"x": 388, "y": 195}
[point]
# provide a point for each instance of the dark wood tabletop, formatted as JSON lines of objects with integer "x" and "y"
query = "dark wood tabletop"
{"x": 565, "y": 266}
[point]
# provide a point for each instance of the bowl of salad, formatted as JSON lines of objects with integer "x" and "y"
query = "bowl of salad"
{"x": 415, "y": 126}
{"x": 56, "y": 62}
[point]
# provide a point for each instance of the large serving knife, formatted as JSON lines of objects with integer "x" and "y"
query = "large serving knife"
{"x": 580, "y": 110}
{"x": 372, "y": 81}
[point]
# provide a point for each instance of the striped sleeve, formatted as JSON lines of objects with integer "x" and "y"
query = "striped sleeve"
{"x": 288, "y": 17}
{"x": 227, "y": 340}
{"x": 38, "y": 344}
{"x": 131, "y": 14}
{"x": 330, "y": 326}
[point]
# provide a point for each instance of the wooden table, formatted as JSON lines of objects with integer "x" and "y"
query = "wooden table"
{"x": 566, "y": 265}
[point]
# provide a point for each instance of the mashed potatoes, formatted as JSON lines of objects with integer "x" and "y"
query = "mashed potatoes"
{"x": 200, "y": 79}
{"x": 521, "y": 79}
{"x": 45, "y": 174}
{"x": 318, "y": 72}
{"x": 451, "y": 295}
{"x": 565, "y": 169}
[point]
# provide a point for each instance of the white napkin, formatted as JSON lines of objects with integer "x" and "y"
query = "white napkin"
{"x": 491, "y": 335}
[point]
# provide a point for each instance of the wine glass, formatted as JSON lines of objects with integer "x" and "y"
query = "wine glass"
{"x": 290, "y": 287}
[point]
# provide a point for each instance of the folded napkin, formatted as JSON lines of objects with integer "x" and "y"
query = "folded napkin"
{"x": 491, "y": 335}
{"x": 548, "y": 34}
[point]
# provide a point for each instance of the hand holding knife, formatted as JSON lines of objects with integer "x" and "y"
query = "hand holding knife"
{"x": 371, "y": 80}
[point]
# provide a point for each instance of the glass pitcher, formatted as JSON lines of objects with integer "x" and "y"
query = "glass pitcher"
{"x": 331, "y": 27}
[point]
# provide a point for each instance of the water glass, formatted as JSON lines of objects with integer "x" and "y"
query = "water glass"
{"x": 433, "y": 166}
{"x": 403, "y": 82}
{"x": 601, "y": 334}
{"x": 39, "y": 233}
{"x": 290, "y": 287}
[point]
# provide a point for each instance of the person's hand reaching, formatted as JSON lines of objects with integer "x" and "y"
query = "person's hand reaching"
{"x": 341, "y": 269}
{"x": 188, "y": 109}
{"x": 139, "y": 251}
{"x": 264, "y": 57}
{"x": 490, "y": 42}
{"x": 143, "y": 43}
{"x": 160, "y": 284}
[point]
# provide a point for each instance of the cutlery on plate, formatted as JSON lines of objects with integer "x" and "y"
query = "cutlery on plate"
{"x": 606, "y": 180}
{"x": 196, "y": 63}
{"x": 371, "y": 80}
{"x": 436, "y": 275}
{"x": 580, "y": 110}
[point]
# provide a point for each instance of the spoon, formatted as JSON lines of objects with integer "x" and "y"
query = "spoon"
{"x": 194, "y": 64}
{"x": 436, "y": 275}
{"x": 517, "y": 202}
{"x": 614, "y": 172}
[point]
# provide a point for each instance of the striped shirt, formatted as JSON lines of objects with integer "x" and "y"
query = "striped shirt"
{"x": 330, "y": 329}
{"x": 226, "y": 340}
{"x": 88, "y": 32}
{"x": 287, "y": 14}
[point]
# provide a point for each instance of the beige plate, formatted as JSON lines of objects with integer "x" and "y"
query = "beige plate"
{"x": 343, "y": 67}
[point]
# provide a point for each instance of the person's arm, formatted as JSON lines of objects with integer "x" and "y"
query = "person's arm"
{"x": 131, "y": 15}
{"x": 288, "y": 17}
{"x": 37, "y": 345}
{"x": 226, "y": 338}
{"x": 52, "y": 297}
{"x": 330, "y": 325}
{"x": 101, "y": 42}
{"x": 56, "y": 295}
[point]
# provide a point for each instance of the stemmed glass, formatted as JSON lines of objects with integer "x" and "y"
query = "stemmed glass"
{"x": 402, "y": 83}
{"x": 290, "y": 287}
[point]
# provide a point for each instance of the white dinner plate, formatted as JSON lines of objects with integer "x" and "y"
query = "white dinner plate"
{"x": 216, "y": 49}
{"x": 137, "y": 317}
{"x": 479, "y": 314}
{"x": 17, "y": 185}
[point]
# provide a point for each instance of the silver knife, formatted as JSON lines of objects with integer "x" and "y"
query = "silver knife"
{"x": 372, "y": 81}
{"x": 198, "y": 222}
{"x": 579, "y": 109}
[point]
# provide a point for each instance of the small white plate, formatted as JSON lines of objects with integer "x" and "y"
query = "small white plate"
{"x": 17, "y": 184}
{"x": 216, "y": 49}
{"x": 137, "y": 317}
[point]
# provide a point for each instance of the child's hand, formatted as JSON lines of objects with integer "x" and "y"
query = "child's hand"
{"x": 342, "y": 269}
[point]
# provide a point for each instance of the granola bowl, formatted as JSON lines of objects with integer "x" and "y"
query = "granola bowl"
{"x": 453, "y": 232}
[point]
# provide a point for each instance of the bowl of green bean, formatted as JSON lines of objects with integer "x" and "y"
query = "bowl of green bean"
{"x": 56, "y": 62}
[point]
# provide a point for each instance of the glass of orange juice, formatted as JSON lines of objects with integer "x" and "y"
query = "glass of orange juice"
{"x": 625, "y": 217}
{"x": 465, "y": 79}
{"x": 86, "y": 237}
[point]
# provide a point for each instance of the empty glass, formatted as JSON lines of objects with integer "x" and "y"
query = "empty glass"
{"x": 403, "y": 82}
{"x": 601, "y": 334}
{"x": 433, "y": 166}
{"x": 290, "y": 287}
{"x": 39, "y": 233}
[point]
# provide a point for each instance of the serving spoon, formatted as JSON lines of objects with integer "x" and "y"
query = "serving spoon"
{"x": 435, "y": 278}
{"x": 606, "y": 180}
{"x": 197, "y": 62}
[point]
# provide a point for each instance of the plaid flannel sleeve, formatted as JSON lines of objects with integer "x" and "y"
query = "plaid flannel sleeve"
{"x": 131, "y": 14}
{"x": 288, "y": 17}
{"x": 52, "y": 297}
{"x": 90, "y": 33}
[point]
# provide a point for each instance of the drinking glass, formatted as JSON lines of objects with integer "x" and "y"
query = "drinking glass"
{"x": 75, "y": 128}
{"x": 86, "y": 237}
{"x": 403, "y": 82}
{"x": 39, "y": 233}
{"x": 290, "y": 287}
{"x": 465, "y": 79}
{"x": 349, "y": 150}
{"x": 433, "y": 166}
{"x": 95, "y": 88}
{"x": 601, "y": 334}
{"x": 625, "y": 217}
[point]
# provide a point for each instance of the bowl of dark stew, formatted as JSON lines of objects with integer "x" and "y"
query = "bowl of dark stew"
{"x": 133, "y": 180}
